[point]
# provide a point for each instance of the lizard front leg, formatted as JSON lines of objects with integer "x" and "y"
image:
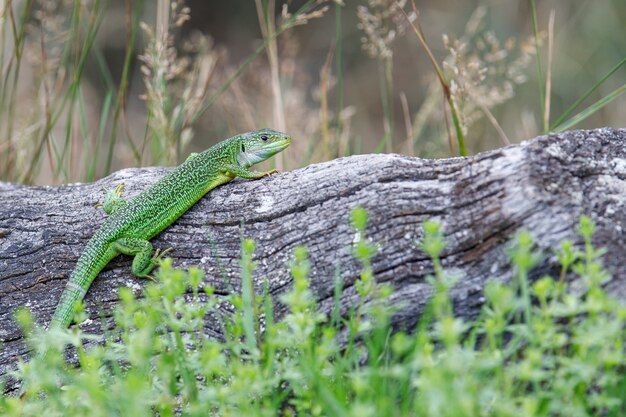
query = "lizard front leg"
{"x": 246, "y": 173}
{"x": 112, "y": 200}
{"x": 141, "y": 249}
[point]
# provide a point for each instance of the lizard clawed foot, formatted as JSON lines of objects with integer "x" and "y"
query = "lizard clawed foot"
{"x": 118, "y": 189}
{"x": 159, "y": 254}
{"x": 112, "y": 199}
{"x": 154, "y": 261}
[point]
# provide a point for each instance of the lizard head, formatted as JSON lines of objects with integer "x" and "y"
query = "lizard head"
{"x": 257, "y": 146}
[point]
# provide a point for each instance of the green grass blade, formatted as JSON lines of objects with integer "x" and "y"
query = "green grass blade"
{"x": 121, "y": 92}
{"x": 247, "y": 296}
{"x": 540, "y": 79}
{"x": 590, "y": 110}
{"x": 339, "y": 74}
{"x": 571, "y": 108}
{"x": 103, "y": 68}
{"x": 92, "y": 163}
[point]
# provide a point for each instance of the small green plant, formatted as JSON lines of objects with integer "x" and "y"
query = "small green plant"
{"x": 536, "y": 349}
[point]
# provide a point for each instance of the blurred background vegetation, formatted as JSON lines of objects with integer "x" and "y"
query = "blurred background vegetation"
{"x": 91, "y": 86}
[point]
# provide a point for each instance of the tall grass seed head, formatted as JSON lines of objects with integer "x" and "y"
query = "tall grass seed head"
{"x": 381, "y": 21}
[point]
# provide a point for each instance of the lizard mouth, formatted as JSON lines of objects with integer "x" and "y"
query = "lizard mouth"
{"x": 277, "y": 146}
{"x": 255, "y": 155}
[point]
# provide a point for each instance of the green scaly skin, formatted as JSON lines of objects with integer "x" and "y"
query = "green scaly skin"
{"x": 130, "y": 225}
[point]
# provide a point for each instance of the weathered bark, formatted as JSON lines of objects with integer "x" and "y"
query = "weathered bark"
{"x": 542, "y": 185}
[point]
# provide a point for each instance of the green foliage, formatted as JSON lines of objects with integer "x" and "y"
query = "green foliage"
{"x": 536, "y": 349}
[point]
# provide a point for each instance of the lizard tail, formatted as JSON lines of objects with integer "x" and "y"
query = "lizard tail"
{"x": 64, "y": 313}
{"x": 90, "y": 263}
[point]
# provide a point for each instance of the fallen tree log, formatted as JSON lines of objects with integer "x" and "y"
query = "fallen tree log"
{"x": 542, "y": 186}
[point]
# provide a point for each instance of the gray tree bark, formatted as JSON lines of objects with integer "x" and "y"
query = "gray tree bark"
{"x": 542, "y": 185}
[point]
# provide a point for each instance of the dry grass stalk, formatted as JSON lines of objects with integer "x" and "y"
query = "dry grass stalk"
{"x": 546, "y": 113}
{"x": 176, "y": 87}
{"x": 408, "y": 126}
{"x": 482, "y": 73}
{"x": 325, "y": 80}
{"x": 40, "y": 87}
{"x": 381, "y": 21}
{"x": 267, "y": 22}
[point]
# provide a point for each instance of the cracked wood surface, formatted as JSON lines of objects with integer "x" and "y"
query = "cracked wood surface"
{"x": 542, "y": 185}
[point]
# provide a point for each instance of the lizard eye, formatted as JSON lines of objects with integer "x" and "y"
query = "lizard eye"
{"x": 264, "y": 138}
{"x": 243, "y": 147}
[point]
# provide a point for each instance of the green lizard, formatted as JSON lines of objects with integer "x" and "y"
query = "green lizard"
{"x": 130, "y": 225}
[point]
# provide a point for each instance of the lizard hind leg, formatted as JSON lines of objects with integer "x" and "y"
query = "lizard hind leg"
{"x": 112, "y": 200}
{"x": 141, "y": 249}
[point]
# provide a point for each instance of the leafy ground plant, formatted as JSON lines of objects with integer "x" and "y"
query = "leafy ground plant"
{"x": 537, "y": 349}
